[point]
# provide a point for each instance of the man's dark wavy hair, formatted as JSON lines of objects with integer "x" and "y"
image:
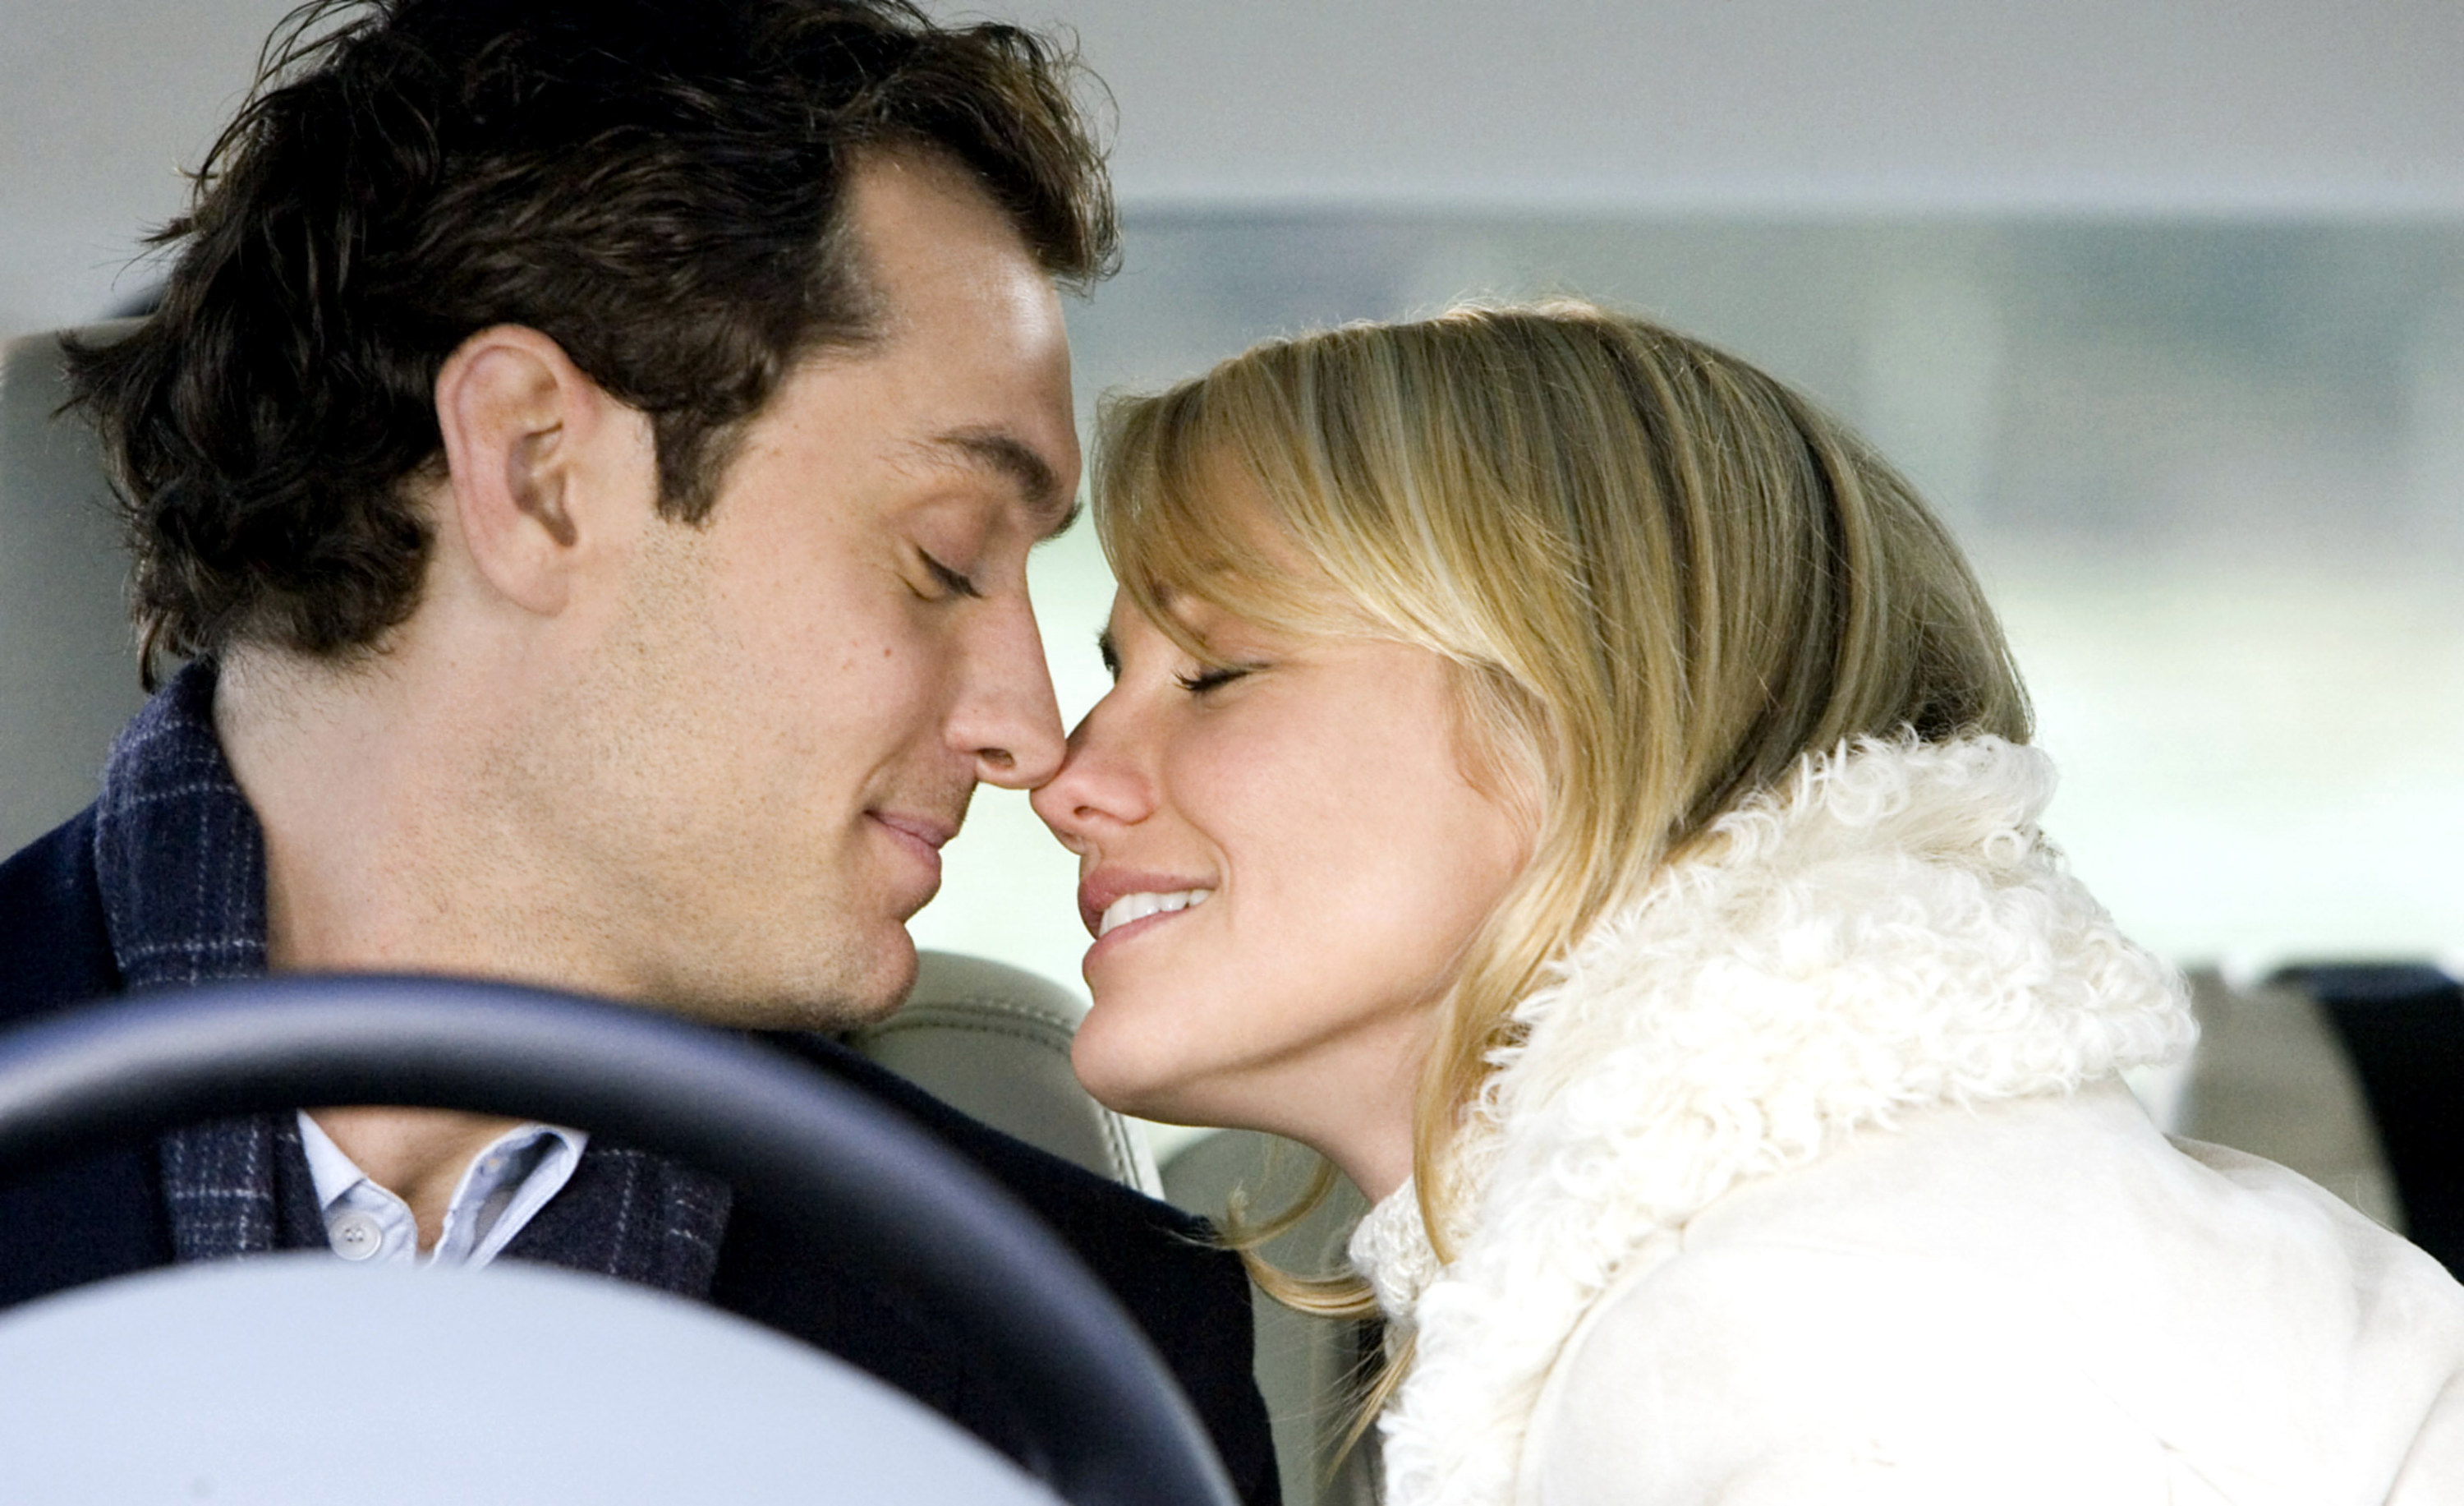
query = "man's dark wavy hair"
{"x": 655, "y": 185}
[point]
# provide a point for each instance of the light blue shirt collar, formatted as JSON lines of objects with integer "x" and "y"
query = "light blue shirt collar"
{"x": 501, "y": 1190}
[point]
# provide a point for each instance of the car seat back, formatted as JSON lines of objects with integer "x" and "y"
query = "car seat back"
{"x": 68, "y": 661}
{"x": 993, "y": 1041}
{"x": 2270, "y": 1078}
{"x": 1311, "y": 1370}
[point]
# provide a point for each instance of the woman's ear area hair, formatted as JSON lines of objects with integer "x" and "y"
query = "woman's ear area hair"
{"x": 1503, "y": 743}
{"x": 542, "y": 466}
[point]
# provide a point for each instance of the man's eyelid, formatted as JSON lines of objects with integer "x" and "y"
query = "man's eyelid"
{"x": 1068, "y": 521}
{"x": 951, "y": 579}
{"x": 963, "y": 534}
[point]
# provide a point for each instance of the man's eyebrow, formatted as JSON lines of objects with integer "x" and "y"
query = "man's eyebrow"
{"x": 1016, "y": 461}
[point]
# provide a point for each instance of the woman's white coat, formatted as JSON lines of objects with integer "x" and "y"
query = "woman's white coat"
{"x": 1812, "y": 1180}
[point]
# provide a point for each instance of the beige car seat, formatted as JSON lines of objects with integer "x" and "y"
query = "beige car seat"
{"x": 2270, "y": 1078}
{"x": 993, "y": 1040}
{"x": 68, "y": 663}
{"x": 1310, "y": 1369}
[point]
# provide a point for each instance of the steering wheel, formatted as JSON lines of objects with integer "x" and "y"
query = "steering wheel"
{"x": 1111, "y": 1426}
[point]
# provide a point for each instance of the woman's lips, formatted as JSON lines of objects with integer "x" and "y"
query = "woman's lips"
{"x": 1122, "y": 932}
{"x": 1132, "y": 908}
{"x": 1119, "y": 906}
{"x": 1123, "y": 897}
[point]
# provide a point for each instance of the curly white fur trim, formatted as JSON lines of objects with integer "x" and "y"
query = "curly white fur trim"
{"x": 1889, "y": 930}
{"x": 1390, "y": 1248}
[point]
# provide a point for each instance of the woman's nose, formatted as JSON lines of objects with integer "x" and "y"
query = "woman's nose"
{"x": 1102, "y": 782}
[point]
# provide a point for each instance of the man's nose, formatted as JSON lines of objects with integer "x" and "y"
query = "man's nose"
{"x": 1006, "y": 719}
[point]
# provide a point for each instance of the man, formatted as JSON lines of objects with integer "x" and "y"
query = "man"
{"x": 587, "y": 452}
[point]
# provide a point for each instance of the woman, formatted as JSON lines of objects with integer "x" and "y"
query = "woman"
{"x": 1580, "y": 789}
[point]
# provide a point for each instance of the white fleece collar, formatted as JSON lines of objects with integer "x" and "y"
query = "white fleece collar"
{"x": 1888, "y": 931}
{"x": 1390, "y": 1248}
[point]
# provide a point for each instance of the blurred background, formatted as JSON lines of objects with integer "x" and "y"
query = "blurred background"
{"x": 2161, "y": 301}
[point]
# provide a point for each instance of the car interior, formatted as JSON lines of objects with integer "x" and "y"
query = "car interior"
{"x": 2339, "y": 1072}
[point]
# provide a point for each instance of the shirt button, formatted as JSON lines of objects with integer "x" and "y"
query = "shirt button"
{"x": 356, "y": 1236}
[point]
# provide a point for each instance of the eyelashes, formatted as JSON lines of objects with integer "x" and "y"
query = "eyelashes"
{"x": 1211, "y": 677}
{"x": 948, "y": 579}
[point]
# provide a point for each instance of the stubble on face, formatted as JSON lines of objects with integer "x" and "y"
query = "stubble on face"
{"x": 769, "y": 684}
{"x": 703, "y": 897}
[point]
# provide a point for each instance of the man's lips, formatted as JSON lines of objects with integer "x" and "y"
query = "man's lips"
{"x": 1105, "y": 887}
{"x": 923, "y": 834}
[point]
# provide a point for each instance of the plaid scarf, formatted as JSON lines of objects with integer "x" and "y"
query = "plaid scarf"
{"x": 180, "y": 861}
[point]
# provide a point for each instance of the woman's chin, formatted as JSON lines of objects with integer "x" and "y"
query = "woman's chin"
{"x": 1143, "y": 1084}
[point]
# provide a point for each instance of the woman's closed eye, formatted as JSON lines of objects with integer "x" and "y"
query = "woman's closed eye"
{"x": 1213, "y": 676}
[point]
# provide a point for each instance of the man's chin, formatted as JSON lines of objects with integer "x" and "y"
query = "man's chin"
{"x": 831, "y": 993}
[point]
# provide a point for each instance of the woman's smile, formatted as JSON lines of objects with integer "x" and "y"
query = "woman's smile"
{"x": 1282, "y": 864}
{"x": 1130, "y": 909}
{"x": 1109, "y": 899}
{"x": 1118, "y": 906}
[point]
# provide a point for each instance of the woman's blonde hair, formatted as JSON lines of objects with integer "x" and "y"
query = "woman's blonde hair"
{"x": 1662, "y": 577}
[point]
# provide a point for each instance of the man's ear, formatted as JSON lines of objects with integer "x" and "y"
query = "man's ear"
{"x": 542, "y": 464}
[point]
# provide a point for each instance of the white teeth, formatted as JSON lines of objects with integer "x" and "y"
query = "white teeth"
{"x": 1137, "y": 907}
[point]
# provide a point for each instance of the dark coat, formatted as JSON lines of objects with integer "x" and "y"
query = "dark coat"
{"x": 103, "y": 1214}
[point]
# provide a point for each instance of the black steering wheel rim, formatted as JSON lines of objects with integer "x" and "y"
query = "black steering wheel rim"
{"x": 824, "y": 1159}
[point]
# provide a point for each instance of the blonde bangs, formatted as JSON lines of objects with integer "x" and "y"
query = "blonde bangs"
{"x": 1167, "y": 469}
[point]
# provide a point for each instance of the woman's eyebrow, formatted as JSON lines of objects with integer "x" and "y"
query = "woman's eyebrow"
{"x": 1111, "y": 650}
